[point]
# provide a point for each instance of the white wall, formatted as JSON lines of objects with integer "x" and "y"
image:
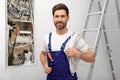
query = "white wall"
{"x": 2, "y": 36}
{"x": 44, "y": 24}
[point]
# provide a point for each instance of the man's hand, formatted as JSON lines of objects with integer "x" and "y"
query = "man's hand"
{"x": 44, "y": 62}
{"x": 47, "y": 69}
{"x": 73, "y": 52}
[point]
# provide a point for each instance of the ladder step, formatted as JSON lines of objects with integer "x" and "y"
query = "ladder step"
{"x": 113, "y": 60}
{"x": 110, "y": 58}
{"x": 113, "y": 71}
{"x": 90, "y": 30}
{"x": 117, "y": 73}
{"x": 95, "y": 13}
{"x": 112, "y": 30}
{"x": 101, "y": 0}
{"x": 113, "y": 45}
{"x": 102, "y": 30}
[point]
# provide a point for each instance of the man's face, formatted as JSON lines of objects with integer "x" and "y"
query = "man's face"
{"x": 60, "y": 19}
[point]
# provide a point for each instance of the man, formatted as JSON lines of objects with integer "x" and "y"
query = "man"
{"x": 63, "y": 48}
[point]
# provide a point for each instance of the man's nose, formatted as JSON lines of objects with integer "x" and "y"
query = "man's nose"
{"x": 59, "y": 19}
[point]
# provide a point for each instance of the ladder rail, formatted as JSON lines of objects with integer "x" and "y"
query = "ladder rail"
{"x": 108, "y": 47}
{"x": 97, "y": 40}
{"x": 101, "y": 23}
{"x": 117, "y": 6}
{"x": 87, "y": 17}
{"x": 101, "y": 29}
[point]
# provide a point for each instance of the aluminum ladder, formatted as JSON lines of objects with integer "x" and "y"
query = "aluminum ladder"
{"x": 102, "y": 8}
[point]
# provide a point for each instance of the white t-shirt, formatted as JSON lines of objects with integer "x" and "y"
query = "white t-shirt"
{"x": 76, "y": 41}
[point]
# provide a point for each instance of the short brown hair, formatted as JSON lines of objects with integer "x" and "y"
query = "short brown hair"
{"x": 59, "y": 7}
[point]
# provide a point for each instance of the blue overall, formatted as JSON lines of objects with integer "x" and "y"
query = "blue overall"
{"x": 59, "y": 64}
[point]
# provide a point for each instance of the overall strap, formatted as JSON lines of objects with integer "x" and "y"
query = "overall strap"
{"x": 49, "y": 44}
{"x": 64, "y": 44}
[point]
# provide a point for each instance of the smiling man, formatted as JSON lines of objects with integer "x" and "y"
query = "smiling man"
{"x": 62, "y": 48}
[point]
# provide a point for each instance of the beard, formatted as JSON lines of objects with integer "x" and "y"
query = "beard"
{"x": 60, "y": 25}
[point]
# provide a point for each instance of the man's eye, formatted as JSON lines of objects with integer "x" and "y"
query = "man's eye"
{"x": 56, "y": 16}
{"x": 62, "y": 16}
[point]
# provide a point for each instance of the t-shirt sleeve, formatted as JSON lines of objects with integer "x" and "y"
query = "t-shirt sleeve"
{"x": 80, "y": 44}
{"x": 44, "y": 44}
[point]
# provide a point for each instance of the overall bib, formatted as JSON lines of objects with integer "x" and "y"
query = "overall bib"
{"x": 59, "y": 63}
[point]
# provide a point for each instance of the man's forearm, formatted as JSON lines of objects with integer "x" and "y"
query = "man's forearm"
{"x": 88, "y": 56}
{"x": 43, "y": 59}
